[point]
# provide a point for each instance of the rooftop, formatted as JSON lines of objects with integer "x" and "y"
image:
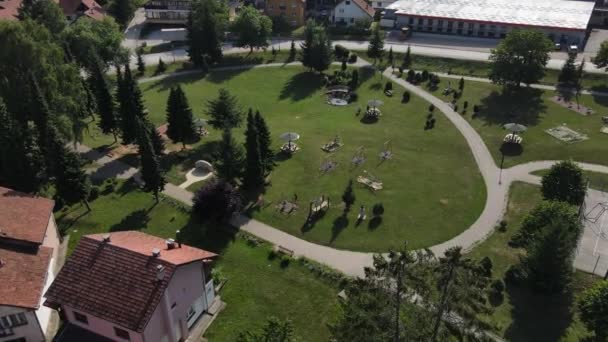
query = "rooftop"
{"x": 90, "y": 8}
{"x": 22, "y": 276}
{"x": 117, "y": 280}
{"x": 9, "y": 9}
{"x": 24, "y": 217}
{"x": 564, "y": 14}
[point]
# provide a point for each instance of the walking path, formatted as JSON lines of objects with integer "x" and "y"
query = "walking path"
{"x": 349, "y": 262}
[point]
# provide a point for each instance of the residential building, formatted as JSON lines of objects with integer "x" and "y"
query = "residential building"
{"x": 380, "y": 4}
{"x": 347, "y": 12}
{"x": 292, "y": 10}
{"x": 9, "y": 9}
{"x": 29, "y": 243}
{"x": 565, "y": 21}
{"x": 74, "y": 9}
{"x": 131, "y": 286}
{"x": 167, "y": 11}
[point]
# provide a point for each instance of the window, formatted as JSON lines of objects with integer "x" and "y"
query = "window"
{"x": 420, "y": 21}
{"x": 411, "y": 21}
{"x": 379, "y": 4}
{"x": 347, "y": 3}
{"x": 122, "y": 333}
{"x": 13, "y": 320}
{"x": 460, "y": 24}
{"x": 81, "y": 318}
{"x": 352, "y": 20}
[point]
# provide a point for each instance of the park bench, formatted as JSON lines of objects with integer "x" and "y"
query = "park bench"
{"x": 284, "y": 250}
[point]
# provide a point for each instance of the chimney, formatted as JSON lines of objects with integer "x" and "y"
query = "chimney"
{"x": 170, "y": 243}
{"x": 106, "y": 238}
{"x": 178, "y": 238}
{"x": 160, "y": 272}
{"x": 155, "y": 252}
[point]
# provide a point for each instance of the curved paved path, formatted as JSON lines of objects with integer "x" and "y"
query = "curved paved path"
{"x": 352, "y": 263}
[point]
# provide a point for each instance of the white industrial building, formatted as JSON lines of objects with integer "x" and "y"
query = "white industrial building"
{"x": 565, "y": 21}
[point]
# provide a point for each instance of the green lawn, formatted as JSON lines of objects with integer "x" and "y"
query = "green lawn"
{"x": 256, "y": 287}
{"x": 432, "y": 187}
{"x": 535, "y": 109}
{"x": 523, "y": 315}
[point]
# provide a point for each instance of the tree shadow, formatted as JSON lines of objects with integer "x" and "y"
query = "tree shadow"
{"x": 191, "y": 76}
{"x": 134, "y": 221}
{"x": 116, "y": 167}
{"x": 374, "y": 223}
{"x": 599, "y": 99}
{"x": 126, "y": 187}
{"x": 310, "y": 223}
{"x": 211, "y": 236}
{"x": 538, "y": 317}
{"x": 366, "y": 73}
{"x": 301, "y": 86}
{"x": 520, "y": 105}
{"x": 376, "y": 86}
{"x": 187, "y": 158}
{"x": 338, "y": 226}
{"x": 511, "y": 149}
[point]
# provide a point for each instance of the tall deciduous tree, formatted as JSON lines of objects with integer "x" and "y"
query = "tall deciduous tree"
{"x": 106, "y": 108}
{"x": 151, "y": 170}
{"x": 253, "y": 175}
{"x": 224, "y": 111}
{"x": 593, "y": 307}
{"x": 568, "y": 73}
{"x": 216, "y": 201}
{"x": 520, "y": 58}
{"x": 45, "y": 12}
{"x": 89, "y": 40}
{"x": 254, "y": 29}
{"x": 375, "y": 48}
{"x": 206, "y": 25}
{"x": 564, "y": 182}
{"x": 180, "y": 125}
{"x": 265, "y": 140}
{"x": 122, "y": 11}
{"x": 229, "y": 158}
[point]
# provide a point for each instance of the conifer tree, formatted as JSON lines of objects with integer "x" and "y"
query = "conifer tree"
{"x": 224, "y": 111}
{"x": 180, "y": 125}
{"x": 265, "y": 140}
{"x": 158, "y": 143}
{"x": 161, "y": 67}
{"x": 292, "y": 52}
{"x": 71, "y": 182}
{"x": 141, "y": 65}
{"x": 254, "y": 168}
{"x": 131, "y": 107}
{"x": 151, "y": 170}
{"x": 229, "y": 158}
{"x": 307, "y": 45}
{"x": 407, "y": 59}
{"x": 122, "y": 11}
{"x": 316, "y": 51}
{"x": 391, "y": 58}
{"x": 375, "y": 49}
{"x": 106, "y": 108}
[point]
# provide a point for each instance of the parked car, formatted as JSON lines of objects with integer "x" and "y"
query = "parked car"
{"x": 558, "y": 46}
{"x": 573, "y": 48}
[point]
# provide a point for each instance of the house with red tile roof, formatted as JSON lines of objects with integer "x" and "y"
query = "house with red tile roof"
{"x": 29, "y": 243}
{"x": 9, "y": 9}
{"x": 131, "y": 286}
{"x": 347, "y": 12}
{"x": 74, "y": 9}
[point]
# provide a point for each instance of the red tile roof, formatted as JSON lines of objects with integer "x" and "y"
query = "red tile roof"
{"x": 89, "y": 7}
{"x": 365, "y": 7}
{"x": 22, "y": 276}
{"x": 117, "y": 280}
{"x": 9, "y": 9}
{"x": 24, "y": 217}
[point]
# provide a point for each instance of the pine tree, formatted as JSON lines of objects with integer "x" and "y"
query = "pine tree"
{"x": 158, "y": 143}
{"x": 224, "y": 111}
{"x": 205, "y": 32}
{"x": 461, "y": 84}
{"x": 131, "y": 106}
{"x": 229, "y": 158}
{"x": 106, "y": 108}
{"x": 375, "y": 49}
{"x": 254, "y": 168}
{"x": 180, "y": 125}
{"x": 292, "y": 52}
{"x": 354, "y": 80}
{"x": 307, "y": 45}
{"x": 407, "y": 59}
{"x": 161, "y": 67}
{"x": 265, "y": 141}
{"x": 141, "y": 65}
{"x": 122, "y": 11}
{"x": 71, "y": 182}
{"x": 391, "y": 58}
{"x": 151, "y": 171}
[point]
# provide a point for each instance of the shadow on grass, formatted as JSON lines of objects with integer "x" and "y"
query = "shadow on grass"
{"x": 310, "y": 223}
{"x": 374, "y": 223}
{"x": 511, "y": 149}
{"x": 375, "y": 86}
{"x": 136, "y": 220}
{"x": 301, "y": 86}
{"x": 340, "y": 223}
{"x": 538, "y": 317}
{"x": 520, "y": 105}
{"x": 126, "y": 187}
{"x": 116, "y": 167}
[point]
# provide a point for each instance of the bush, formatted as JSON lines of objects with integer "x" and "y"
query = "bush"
{"x": 341, "y": 52}
{"x": 406, "y": 97}
{"x": 425, "y": 75}
{"x": 161, "y": 67}
{"x": 486, "y": 266}
{"x": 502, "y": 226}
{"x": 272, "y": 254}
{"x": 465, "y": 104}
{"x": 388, "y": 86}
{"x": 353, "y": 97}
{"x": 431, "y": 108}
{"x": 475, "y": 109}
{"x": 94, "y": 193}
{"x": 497, "y": 286}
{"x": 378, "y": 209}
{"x": 411, "y": 76}
{"x": 516, "y": 275}
{"x": 456, "y": 108}
{"x": 217, "y": 200}
{"x": 285, "y": 261}
{"x": 352, "y": 58}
